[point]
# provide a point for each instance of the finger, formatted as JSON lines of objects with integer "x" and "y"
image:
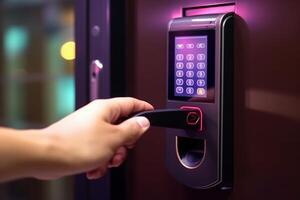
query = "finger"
{"x": 123, "y": 107}
{"x": 96, "y": 173}
{"x": 116, "y": 161}
{"x": 119, "y": 157}
{"x": 130, "y": 146}
{"x": 132, "y": 129}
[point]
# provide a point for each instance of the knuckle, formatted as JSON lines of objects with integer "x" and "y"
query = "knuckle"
{"x": 97, "y": 102}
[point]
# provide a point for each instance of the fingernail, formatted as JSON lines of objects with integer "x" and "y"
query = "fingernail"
{"x": 117, "y": 161}
{"x": 143, "y": 122}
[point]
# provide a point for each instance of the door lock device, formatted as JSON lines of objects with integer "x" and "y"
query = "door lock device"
{"x": 200, "y": 101}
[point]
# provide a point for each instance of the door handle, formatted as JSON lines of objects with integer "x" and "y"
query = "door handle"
{"x": 188, "y": 118}
{"x": 95, "y": 69}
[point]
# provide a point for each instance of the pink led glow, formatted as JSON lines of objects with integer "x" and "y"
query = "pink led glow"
{"x": 176, "y": 14}
{"x": 209, "y": 10}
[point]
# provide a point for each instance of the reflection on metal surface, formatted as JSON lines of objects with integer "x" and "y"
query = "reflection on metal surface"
{"x": 97, "y": 65}
{"x": 190, "y": 152}
{"x": 204, "y": 20}
{"x": 274, "y": 103}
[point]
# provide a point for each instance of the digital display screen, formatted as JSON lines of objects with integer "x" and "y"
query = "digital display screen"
{"x": 190, "y": 66}
{"x": 191, "y": 74}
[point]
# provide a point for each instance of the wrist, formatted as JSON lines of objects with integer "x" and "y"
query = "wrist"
{"x": 54, "y": 154}
{"x": 47, "y": 156}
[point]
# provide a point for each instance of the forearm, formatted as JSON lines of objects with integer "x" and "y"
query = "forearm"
{"x": 88, "y": 140}
{"x": 24, "y": 153}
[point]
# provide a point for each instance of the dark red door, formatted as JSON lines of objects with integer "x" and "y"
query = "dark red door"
{"x": 267, "y": 97}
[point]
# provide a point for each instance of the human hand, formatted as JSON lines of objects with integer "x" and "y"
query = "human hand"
{"x": 92, "y": 139}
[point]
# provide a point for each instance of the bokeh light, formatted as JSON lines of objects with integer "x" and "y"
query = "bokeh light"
{"x": 67, "y": 50}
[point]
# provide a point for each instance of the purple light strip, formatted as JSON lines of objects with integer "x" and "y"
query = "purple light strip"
{"x": 209, "y": 10}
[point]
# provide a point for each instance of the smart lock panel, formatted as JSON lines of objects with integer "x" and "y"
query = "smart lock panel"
{"x": 200, "y": 76}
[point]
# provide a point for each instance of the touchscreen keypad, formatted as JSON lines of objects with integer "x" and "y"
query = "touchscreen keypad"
{"x": 191, "y": 66}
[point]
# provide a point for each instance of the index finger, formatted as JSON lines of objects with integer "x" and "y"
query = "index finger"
{"x": 124, "y": 106}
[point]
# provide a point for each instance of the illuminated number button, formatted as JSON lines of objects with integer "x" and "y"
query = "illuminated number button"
{"x": 189, "y": 74}
{"x": 179, "y": 81}
{"x": 200, "y": 45}
{"x": 179, "y": 65}
{"x": 179, "y": 57}
{"x": 200, "y": 65}
{"x": 190, "y": 57}
{"x": 189, "y": 65}
{"x": 201, "y": 74}
{"x": 179, "y": 73}
{"x": 179, "y": 90}
{"x": 190, "y": 46}
{"x": 201, "y": 91}
{"x": 189, "y": 82}
{"x": 201, "y": 83}
{"x": 200, "y": 56}
{"x": 179, "y": 46}
{"x": 189, "y": 90}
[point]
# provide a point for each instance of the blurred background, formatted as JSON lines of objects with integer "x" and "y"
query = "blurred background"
{"x": 36, "y": 78}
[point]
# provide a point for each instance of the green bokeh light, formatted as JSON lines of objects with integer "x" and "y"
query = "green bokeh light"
{"x": 65, "y": 95}
{"x": 15, "y": 40}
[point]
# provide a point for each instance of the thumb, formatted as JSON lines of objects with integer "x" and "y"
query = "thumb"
{"x": 133, "y": 128}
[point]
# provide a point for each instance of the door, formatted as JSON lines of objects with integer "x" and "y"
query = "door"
{"x": 266, "y": 99}
{"x": 100, "y": 40}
